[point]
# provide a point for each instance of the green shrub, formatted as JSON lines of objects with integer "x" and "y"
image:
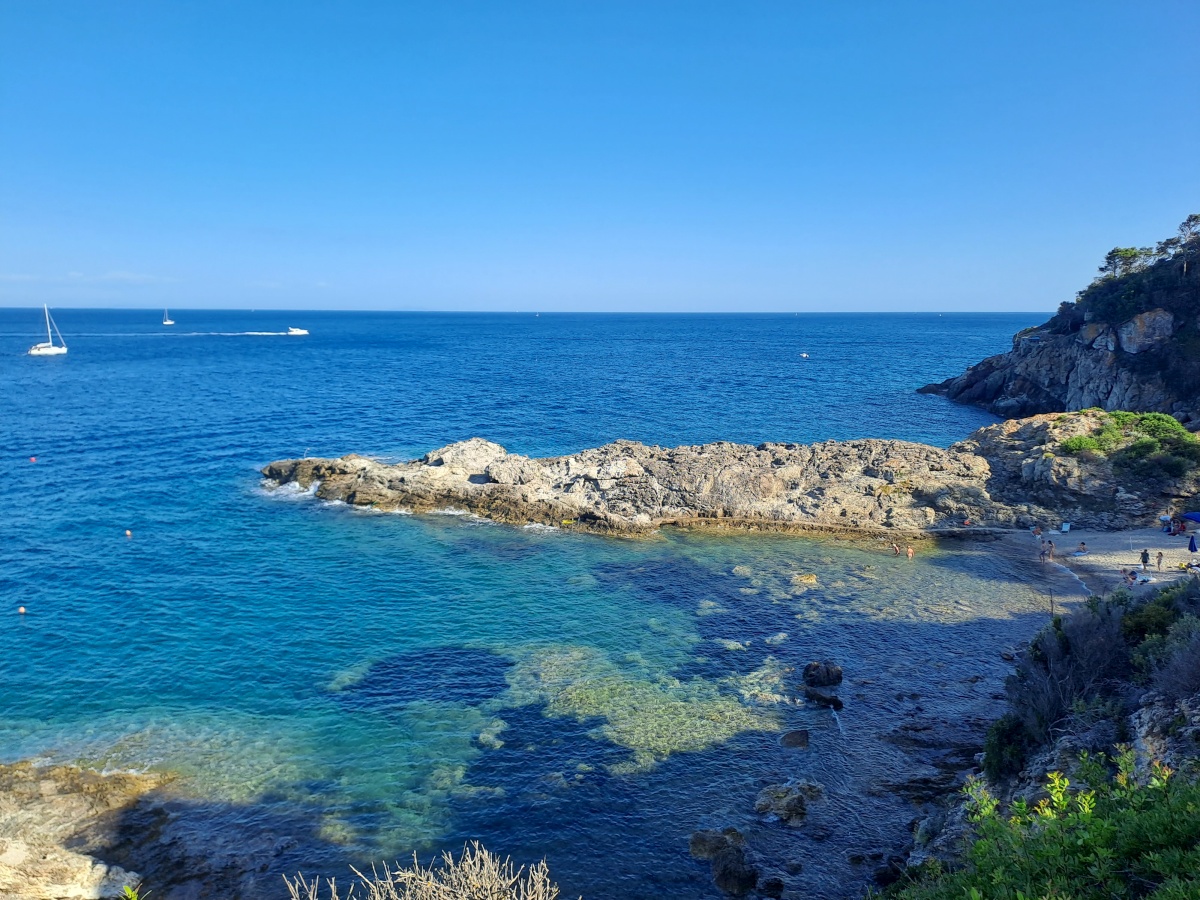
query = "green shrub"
{"x": 1115, "y": 840}
{"x": 1005, "y": 747}
{"x": 1141, "y": 448}
{"x": 1154, "y": 617}
{"x": 1160, "y": 425}
{"x": 1078, "y": 444}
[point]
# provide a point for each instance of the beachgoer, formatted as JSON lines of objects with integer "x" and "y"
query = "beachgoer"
{"x": 910, "y": 551}
{"x": 1082, "y": 548}
{"x": 895, "y": 548}
{"x": 1037, "y": 530}
{"x": 1042, "y": 555}
{"x": 1159, "y": 560}
{"x": 1050, "y": 550}
{"x": 1145, "y": 559}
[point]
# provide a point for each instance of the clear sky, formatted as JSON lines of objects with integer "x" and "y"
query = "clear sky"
{"x": 691, "y": 156}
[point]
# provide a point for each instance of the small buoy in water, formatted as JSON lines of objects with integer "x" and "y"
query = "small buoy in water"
{"x": 33, "y": 459}
{"x": 21, "y": 610}
{"x": 128, "y": 533}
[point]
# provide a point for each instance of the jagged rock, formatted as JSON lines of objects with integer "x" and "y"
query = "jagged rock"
{"x": 708, "y": 843}
{"x": 43, "y": 814}
{"x": 822, "y": 674}
{"x": 789, "y": 801}
{"x": 1005, "y": 475}
{"x": 1147, "y": 330}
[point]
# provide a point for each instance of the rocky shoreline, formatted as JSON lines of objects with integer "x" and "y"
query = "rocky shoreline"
{"x": 1004, "y": 476}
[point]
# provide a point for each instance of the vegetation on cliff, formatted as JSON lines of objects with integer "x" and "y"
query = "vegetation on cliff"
{"x": 1120, "y": 669}
{"x": 1134, "y": 280}
{"x": 1141, "y": 444}
{"x": 1118, "y": 837}
{"x": 1082, "y": 672}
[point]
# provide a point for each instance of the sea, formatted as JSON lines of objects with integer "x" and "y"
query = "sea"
{"x": 362, "y": 687}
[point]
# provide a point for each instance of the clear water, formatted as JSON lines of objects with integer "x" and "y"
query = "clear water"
{"x": 373, "y": 685}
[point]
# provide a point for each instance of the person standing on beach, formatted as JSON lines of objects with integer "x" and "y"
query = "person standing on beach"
{"x": 1145, "y": 559}
{"x": 1158, "y": 559}
{"x": 1050, "y": 550}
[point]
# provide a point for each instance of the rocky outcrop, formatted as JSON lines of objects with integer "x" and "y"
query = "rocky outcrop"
{"x": 1094, "y": 367}
{"x": 788, "y": 802}
{"x": 48, "y": 818}
{"x": 1006, "y": 475}
{"x": 725, "y": 850}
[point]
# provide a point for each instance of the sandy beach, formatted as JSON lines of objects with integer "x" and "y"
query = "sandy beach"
{"x": 1108, "y": 552}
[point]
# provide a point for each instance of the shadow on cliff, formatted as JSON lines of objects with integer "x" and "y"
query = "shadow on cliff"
{"x": 187, "y": 849}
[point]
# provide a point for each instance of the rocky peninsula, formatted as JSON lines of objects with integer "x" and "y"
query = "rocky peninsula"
{"x": 1015, "y": 474}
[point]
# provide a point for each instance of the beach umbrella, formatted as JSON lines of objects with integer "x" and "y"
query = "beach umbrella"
{"x": 1192, "y": 517}
{"x": 1192, "y": 545}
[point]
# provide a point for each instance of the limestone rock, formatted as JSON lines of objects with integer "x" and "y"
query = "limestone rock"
{"x": 43, "y": 812}
{"x": 1145, "y": 331}
{"x": 1006, "y": 475}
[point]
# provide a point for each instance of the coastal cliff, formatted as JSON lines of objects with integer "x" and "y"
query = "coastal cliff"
{"x": 1015, "y": 474}
{"x": 1131, "y": 340}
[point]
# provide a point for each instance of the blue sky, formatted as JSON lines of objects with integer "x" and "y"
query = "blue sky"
{"x": 652, "y": 156}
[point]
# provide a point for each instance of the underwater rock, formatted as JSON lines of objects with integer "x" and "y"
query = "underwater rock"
{"x": 436, "y": 674}
{"x": 725, "y": 849}
{"x": 788, "y": 802}
{"x": 771, "y": 887}
{"x": 797, "y": 740}
{"x": 822, "y": 699}
{"x": 822, "y": 674}
{"x": 732, "y": 872}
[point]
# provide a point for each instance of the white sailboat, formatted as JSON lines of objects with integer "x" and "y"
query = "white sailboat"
{"x": 48, "y": 347}
{"x": 167, "y": 320}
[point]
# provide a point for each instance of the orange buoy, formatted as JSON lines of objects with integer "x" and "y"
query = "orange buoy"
{"x": 21, "y": 610}
{"x": 33, "y": 459}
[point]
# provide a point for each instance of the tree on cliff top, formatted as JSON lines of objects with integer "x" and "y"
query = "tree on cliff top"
{"x": 1133, "y": 280}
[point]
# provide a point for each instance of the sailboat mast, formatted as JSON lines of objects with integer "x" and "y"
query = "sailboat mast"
{"x": 49, "y": 339}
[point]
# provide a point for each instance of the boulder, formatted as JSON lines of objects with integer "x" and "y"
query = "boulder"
{"x": 797, "y": 740}
{"x": 732, "y": 872}
{"x": 822, "y": 674}
{"x": 789, "y": 801}
{"x": 1146, "y": 331}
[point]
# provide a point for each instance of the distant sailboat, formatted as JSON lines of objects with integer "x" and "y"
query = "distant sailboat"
{"x": 48, "y": 347}
{"x": 167, "y": 320}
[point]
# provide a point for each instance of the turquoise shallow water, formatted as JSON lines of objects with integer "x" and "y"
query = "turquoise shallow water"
{"x": 371, "y": 685}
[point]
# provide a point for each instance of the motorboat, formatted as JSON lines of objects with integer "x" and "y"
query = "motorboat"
{"x": 297, "y": 331}
{"x": 48, "y": 347}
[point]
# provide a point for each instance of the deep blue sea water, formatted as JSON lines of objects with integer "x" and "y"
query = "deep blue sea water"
{"x": 372, "y": 685}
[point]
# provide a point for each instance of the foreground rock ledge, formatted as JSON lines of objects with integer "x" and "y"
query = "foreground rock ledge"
{"x": 1003, "y": 476}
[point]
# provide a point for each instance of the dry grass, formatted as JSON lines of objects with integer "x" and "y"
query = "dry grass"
{"x": 477, "y": 874}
